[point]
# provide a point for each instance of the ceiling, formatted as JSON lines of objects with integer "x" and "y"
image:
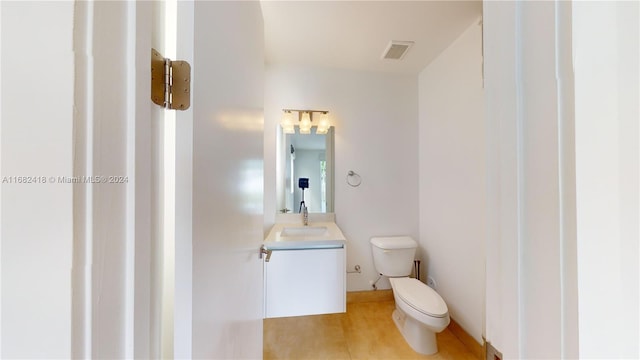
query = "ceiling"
{"x": 354, "y": 34}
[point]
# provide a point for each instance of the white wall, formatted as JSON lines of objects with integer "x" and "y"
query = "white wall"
{"x": 453, "y": 178}
{"x": 228, "y": 85}
{"x": 606, "y": 48}
{"x": 37, "y": 218}
{"x": 375, "y": 118}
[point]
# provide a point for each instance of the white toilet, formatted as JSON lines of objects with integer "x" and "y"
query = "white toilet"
{"x": 420, "y": 311}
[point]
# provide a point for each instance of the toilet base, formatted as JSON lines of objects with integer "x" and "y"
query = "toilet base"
{"x": 421, "y": 339}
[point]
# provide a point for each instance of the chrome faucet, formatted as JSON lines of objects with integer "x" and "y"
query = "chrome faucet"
{"x": 305, "y": 215}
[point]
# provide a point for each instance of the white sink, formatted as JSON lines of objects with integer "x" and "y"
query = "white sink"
{"x": 304, "y": 231}
{"x": 297, "y": 236}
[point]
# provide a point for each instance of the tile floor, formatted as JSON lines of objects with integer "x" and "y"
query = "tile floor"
{"x": 365, "y": 331}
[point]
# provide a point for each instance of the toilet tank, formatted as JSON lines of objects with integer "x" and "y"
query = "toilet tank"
{"x": 393, "y": 256}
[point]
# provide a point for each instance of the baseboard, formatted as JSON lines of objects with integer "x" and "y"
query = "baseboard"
{"x": 491, "y": 352}
{"x": 468, "y": 340}
{"x": 369, "y": 296}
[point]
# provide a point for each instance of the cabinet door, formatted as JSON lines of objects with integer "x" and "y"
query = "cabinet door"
{"x": 305, "y": 282}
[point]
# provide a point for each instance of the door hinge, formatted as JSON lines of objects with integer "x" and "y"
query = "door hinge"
{"x": 170, "y": 82}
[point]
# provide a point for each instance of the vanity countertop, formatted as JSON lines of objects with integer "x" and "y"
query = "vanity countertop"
{"x": 316, "y": 235}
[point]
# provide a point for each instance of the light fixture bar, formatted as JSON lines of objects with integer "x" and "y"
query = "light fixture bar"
{"x": 305, "y": 119}
{"x": 306, "y": 110}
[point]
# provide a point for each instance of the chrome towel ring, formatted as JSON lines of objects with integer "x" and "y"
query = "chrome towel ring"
{"x": 353, "y": 179}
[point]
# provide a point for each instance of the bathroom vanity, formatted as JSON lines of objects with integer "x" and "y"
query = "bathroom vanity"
{"x": 304, "y": 270}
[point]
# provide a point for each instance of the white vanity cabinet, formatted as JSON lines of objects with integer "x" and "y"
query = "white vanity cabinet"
{"x": 305, "y": 272}
{"x": 305, "y": 282}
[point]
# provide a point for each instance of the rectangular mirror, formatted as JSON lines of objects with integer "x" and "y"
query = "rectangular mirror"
{"x": 306, "y": 156}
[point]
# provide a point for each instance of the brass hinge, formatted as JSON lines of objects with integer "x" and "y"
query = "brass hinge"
{"x": 170, "y": 82}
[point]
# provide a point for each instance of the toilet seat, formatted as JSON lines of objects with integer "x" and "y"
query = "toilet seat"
{"x": 420, "y": 297}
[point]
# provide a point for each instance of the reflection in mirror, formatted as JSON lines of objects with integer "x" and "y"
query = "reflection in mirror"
{"x": 311, "y": 157}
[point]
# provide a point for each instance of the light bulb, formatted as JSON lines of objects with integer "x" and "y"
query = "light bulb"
{"x": 287, "y": 123}
{"x": 305, "y": 123}
{"x": 323, "y": 124}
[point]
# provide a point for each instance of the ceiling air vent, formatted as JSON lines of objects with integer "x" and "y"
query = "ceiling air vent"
{"x": 396, "y": 50}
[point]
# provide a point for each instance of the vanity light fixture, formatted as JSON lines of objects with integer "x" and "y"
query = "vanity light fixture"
{"x": 305, "y": 121}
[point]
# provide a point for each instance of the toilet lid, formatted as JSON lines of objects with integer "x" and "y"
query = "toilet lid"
{"x": 420, "y": 297}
